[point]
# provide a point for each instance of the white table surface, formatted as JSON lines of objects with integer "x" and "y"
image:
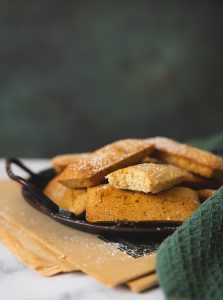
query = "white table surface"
{"x": 20, "y": 283}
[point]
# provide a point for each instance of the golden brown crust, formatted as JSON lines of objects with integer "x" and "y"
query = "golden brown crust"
{"x": 92, "y": 170}
{"x": 147, "y": 177}
{"x": 68, "y": 199}
{"x": 107, "y": 204}
{"x": 187, "y": 164}
{"x": 60, "y": 162}
{"x": 192, "y": 159}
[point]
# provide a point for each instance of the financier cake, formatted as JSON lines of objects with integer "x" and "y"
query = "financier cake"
{"x": 147, "y": 177}
{"x": 73, "y": 200}
{"x": 91, "y": 171}
{"x": 108, "y": 204}
{"x": 187, "y": 157}
{"x": 60, "y": 162}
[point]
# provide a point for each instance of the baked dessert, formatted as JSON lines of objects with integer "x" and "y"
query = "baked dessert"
{"x": 91, "y": 171}
{"x": 147, "y": 177}
{"x": 187, "y": 157}
{"x": 60, "y": 162}
{"x": 149, "y": 180}
{"x": 73, "y": 200}
{"x": 205, "y": 194}
{"x": 108, "y": 204}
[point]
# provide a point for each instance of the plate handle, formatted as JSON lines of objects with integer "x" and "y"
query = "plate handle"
{"x": 28, "y": 185}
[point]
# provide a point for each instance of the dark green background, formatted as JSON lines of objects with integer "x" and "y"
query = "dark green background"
{"x": 75, "y": 75}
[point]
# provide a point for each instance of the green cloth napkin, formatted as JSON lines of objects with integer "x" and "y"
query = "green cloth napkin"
{"x": 190, "y": 262}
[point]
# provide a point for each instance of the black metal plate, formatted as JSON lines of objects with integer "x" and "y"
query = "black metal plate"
{"x": 154, "y": 229}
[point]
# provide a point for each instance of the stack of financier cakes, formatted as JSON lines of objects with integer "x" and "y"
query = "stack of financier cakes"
{"x": 154, "y": 179}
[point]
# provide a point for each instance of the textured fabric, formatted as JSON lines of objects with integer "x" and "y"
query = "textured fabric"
{"x": 190, "y": 262}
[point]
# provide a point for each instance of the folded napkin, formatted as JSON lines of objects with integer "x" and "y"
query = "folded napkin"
{"x": 190, "y": 262}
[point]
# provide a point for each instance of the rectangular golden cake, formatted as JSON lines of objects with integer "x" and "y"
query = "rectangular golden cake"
{"x": 92, "y": 170}
{"x": 108, "y": 204}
